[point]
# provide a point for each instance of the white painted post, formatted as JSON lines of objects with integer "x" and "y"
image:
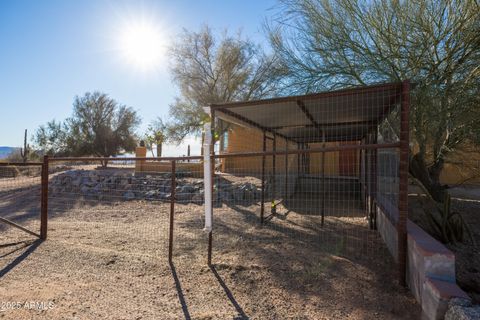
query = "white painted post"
{"x": 207, "y": 177}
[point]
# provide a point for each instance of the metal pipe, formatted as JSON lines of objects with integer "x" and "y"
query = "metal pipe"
{"x": 403, "y": 182}
{"x": 207, "y": 177}
{"x": 212, "y": 155}
{"x": 172, "y": 212}
{"x": 374, "y": 180}
{"x": 21, "y": 164}
{"x": 262, "y": 207}
{"x": 323, "y": 180}
{"x": 286, "y": 171}
{"x": 368, "y": 177}
{"x": 314, "y": 150}
{"x": 44, "y": 200}
{"x": 241, "y": 154}
{"x": 273, "y": 207}
{"x": 13, "y": 224}
{"x": 125, "y": 159}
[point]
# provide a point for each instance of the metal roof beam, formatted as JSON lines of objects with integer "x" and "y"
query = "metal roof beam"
{"x": 302, "y": 107}
{"x": 254, "y": 124}
{"x": 332, "y": 124}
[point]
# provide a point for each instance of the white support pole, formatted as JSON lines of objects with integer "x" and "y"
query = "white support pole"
{"x": 207, "y": 177}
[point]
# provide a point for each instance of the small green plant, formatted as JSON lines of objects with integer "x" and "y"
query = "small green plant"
{"x": 446, "y": 225}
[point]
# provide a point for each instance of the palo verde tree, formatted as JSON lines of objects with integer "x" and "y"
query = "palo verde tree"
{"x": 325, "y": 44}
{"x": 99, "y": 126}
{"x": 210, "y": 69}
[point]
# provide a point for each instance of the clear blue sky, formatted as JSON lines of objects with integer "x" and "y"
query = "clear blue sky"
{"x": 51, "y": 51}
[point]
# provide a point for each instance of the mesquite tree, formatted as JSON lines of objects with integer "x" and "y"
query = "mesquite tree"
{"x": 436, "y": 43}
{"x": 99, "y": 126}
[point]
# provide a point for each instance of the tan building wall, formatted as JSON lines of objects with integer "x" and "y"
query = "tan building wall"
{"x": 241, "y": 139}
{"x": 195, "y": 168}
{"x": 462, "y": 167}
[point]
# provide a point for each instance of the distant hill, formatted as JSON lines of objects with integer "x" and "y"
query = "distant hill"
{"x": 5, "y": 151}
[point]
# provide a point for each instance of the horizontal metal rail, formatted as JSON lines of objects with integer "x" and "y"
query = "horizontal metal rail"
{"x": 20, "y": 164}
{"x": 13, "y": 224}
{"x": 88, "y": 159}
{"x": 229, "y": 155}
{"x": 314, "y": 150}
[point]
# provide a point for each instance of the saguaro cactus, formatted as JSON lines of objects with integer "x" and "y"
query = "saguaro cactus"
{"x": 25, "y": 151}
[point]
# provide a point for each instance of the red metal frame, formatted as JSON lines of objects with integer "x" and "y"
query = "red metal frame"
{"x": 44, "y": 199}
{"x": 172, "y": 211}
{"x": 403, "y": 183}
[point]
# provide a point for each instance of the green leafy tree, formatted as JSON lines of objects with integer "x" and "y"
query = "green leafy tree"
{"x": 99, "y": 126}
{"x": 209, "y": 69}
{"x": 51, "y": 138}
{"x": 436, "y": 43}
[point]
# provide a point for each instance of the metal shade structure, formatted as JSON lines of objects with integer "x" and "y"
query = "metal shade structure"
{"x": 342, "y": 115}
{"x": 352, "y": 117}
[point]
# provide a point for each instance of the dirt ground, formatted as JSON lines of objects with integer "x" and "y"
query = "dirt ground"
{"x": 110, "y": 261}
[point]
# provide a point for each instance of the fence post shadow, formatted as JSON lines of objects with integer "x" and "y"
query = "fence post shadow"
{"x": 241, "y": 313}
{"x": 31, "y": 248}
{"x": 181, "y": 297}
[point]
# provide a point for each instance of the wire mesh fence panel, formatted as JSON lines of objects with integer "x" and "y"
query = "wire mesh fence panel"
{"x": 189, "y": 238}
{"x": 302, "y": 214}
{"x": 120, "y": 207}
{"x": 20, "y": 192}
{"x": 308, "y": 171}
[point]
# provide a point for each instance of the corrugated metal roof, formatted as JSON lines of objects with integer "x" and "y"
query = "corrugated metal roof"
{"x": 342, "y": 115}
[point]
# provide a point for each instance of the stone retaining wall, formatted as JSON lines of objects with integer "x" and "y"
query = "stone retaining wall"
{"x": 430, "y": 265}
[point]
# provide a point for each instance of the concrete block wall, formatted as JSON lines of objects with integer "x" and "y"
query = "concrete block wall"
{"x": 430, "y": 266}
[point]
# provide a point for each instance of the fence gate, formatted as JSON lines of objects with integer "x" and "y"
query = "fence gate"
{"x": 20, "y": 201}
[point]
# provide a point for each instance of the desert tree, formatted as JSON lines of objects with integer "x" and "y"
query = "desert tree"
{"x": 99, "y": 126}
{"x": 51, "y": 138}
{"x": 209, "y": 69}
{"x": 323, "y": 44}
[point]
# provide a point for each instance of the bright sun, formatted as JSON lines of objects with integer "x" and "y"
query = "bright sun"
{"x": 142, "y": 45}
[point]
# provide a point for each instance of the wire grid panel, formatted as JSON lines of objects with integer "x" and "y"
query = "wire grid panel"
{"x": 328, "y": 199}
{"x": 119, "y": 208}
{"x": 305, "y": 211}
{"x": 20, "y": 193}
{"x": 189, "y": 238}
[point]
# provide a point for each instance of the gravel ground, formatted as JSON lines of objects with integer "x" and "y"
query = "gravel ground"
{"x": 110, "y": 261}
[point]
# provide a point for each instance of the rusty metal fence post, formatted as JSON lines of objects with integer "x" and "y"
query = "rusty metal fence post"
{"x": 403, "y": 183}
{"x": 44, "y": 199}
{"x": 172, "y": 212}
{"x": 262, "y": 205}
{"x": 212, "y": 155}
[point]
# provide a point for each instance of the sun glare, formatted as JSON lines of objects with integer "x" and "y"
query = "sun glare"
{"x": 142, "y": 45}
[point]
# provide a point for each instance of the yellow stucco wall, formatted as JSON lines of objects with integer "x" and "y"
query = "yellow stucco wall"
{"x": 241, "y": 139}
{"x": 195, "y": 168}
